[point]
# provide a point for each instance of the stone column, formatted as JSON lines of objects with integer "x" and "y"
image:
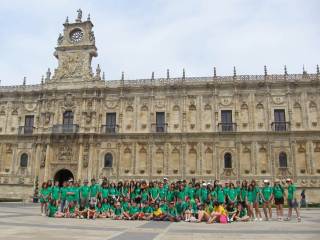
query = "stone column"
{"x": 14, "y": 161}
{"x": 47, "y": 166}
{"x": 90, "y": 164}
{"x": 80, "y": 159}
{"x": 38, "y": 159}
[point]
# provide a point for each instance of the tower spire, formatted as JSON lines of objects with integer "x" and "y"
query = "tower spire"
{"x": 285, "y": 70}
{"x": 265, "y": 70}
{"x": 234, "y": 72}
{"x": 168, "y": 73}
{"x": 214, "y": 72}
{"x": 183, "y": 74}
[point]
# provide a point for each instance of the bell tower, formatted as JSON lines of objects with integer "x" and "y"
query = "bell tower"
{"x": 74, "y": 51}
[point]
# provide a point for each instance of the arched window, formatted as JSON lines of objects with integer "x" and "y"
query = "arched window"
{"x": 227, "y": 160}
{"x": 108, "y": 160}
{"x": 283, "y": 162}
{"x": 24, "y": 160}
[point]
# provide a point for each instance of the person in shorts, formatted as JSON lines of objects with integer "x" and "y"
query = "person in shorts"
{"x": 278, "y": 193}
{"x": 292, "y": 200}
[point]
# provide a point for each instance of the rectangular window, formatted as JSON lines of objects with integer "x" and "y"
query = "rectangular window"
{"x": 111, "y": 121}
{"x": 68, "y": 118}
{"x": 160, "y": 122}
{"x": 226, "y": 121}
{"x": 28, "y": 124}
{"x": 279, "y": 120}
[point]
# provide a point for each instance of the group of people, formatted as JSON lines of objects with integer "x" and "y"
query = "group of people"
{"x": 164, "y": 201}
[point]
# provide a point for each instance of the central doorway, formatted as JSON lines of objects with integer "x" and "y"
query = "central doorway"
{"x": 63, "y": 175}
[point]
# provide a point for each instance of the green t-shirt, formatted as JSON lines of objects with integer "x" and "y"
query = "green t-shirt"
{"x": 226, "y": 190}
{"x": 76, "y": 191}
{"x": 243, "y": 194}
{"x": 55, "y": 192}
{"x": 125, "y": 206}
{"x": 106, "y": 207}
{"x": 162, "y": 193}
{"x": 267, "y": 192}
{"x": 45, "y": 192}
{"x": 144, "y": 195}
{"x": 170, "y": 196}
{"x": 52, "y": 210}
{"x": 256, "y": 195}
{"x": 291, "y": 191}
{"x": 232, "y": 194}
{"x": 148, "y": 209}
{"x": 213, "y": 195}
{"x": 118, "y": 211}
{"x": 113, "y": 192}
{"x": 64, "y": 191}
{"x": 94, "y": 190}
{"x": 220, "y": 195}
{"x": 243, "y": 213}
{"x": 134, "y": 210}
{"x": 164, "y": 208}
{"x": 154, "y": 192}
{"x": 72, "y": 209}
{"x": 278, "y": 191}
{"x": 70, "y": 193}
{"x": 250, "y": 195}
{"x": 172, "y": 211}
{"x": 84, "y": 190}
{"x": 204, "y": 194}
{"x": 182, "y": 194}
{"x": 181, "y": 207}
{"x": 104, "y": 192}
{"x": 190, "y": 192}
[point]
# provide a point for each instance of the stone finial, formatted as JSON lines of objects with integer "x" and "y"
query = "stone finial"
{"x": 67, "y": 20}
{"x": 98, "y": 71}
{"x": 265, "y": 70}
{"x": 48, "y": 74}
{"x": 168, "y": 73}
{"x": 214, "y": 72}
{"x": 183, "y": 74}
{"x": 60, "y": 39}
{"x": 318, "y": 70}
{"x": 79, "y": 16}
{"x": 122, "y": 76}
{"x": 88, "y": 18}
{"x": 304, "y": 72}
{"x": 42, "y": 79}
{"x": 152, "y": 75}
{"x": 285, "y": 70}
{"x": 24, "y": 81}
{"x": 234, "y": 71}
{"x": 103, "y": 76}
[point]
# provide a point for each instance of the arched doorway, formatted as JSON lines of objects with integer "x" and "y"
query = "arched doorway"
{"x": 63, "y": 175}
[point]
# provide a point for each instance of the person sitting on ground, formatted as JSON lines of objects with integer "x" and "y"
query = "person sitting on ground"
{"x": 53, "y": 209}
{"x": 219, "y": 214}
{"x": 241, "y": 214}
{"x": 100, "y": 213}
{"x": 232, "y": 210}
{"x": 172, "y": 214}
{"x": 91, "y": 214}
{"x": 158, "y": 215}
{"x": 70, "y": 210}
{"x": 81, "y": 212}
{"x": 118, "y": 212}
{"x": 147, "y": 211}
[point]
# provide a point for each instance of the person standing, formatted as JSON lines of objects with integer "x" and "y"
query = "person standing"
{"x": 292, "y": 200}
{"x": 267, "y": 196}
{"x": 278, "y": 193}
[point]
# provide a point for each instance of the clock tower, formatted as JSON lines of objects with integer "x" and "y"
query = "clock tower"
{"x": 76, "y": 47}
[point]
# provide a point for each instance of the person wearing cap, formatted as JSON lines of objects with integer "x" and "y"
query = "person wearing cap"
{"x": 267, "y": 197}
{"x": 292, "y": 200}
{"x": 278, "y": 193}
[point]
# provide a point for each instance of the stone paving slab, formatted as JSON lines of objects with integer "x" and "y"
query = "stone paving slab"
{"x": 19, "y": 221}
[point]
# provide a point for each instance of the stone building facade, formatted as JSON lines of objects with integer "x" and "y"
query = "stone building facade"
{"x": 77, "y": 124}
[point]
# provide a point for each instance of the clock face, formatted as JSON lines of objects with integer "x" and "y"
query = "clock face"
{"x": 76, "y": 35}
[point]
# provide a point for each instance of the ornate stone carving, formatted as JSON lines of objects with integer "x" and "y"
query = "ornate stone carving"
{"x": 65, "y": 153}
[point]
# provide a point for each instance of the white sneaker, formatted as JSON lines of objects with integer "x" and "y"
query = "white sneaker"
{"x": 256, "y": 219}
{"x": 260, "y": 219}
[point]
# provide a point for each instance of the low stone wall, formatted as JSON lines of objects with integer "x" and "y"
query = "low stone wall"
{"x": 13, "y": 191}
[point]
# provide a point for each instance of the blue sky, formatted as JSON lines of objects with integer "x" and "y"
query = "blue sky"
{"x": 141, "y": 36}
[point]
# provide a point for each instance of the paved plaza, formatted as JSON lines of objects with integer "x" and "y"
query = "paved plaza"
{"x": 23, "y": 221}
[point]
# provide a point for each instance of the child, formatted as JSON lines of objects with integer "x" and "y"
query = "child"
{"x": 158, "y": 215}
{"x": 100, "y": 213}
{"x": 133, "y": 212}
{"x": 118, "y": 212}
{"x": 172, "y": 214}
{"x": 70, "y": 211}
{"x": 292, "y": 200}
{"x": 147, "y": 211}
{"x": 267, "y": 196}
{"x": 232, "y": 210}
{"x": 219, "y": 214}
{"x": 91, "y": 213}
{"x": 278, "y": 193}
{"x": 44, "y": 198}
{"x": 53, "y": 209}
{"x": 81, "y": 212}
{"x": 241, "y": 214}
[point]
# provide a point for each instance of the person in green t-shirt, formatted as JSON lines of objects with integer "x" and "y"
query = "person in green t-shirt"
{"x": 53, "y": 209}
{"x": 100, "y": 212}
{"x": 203, "y": 193}
{"x": 133, "y": 212}
{"x": 267, "y": 196}
{"x": 256, "y": 200}
{"x": 220, "y": 194}
{"x": 172, "y": 214}
{"x": 84, "y": 193}
{"x": 118, "y": 212}
{"x": 147, "y": 211}
{"x": 292, "y": 200}
{"x": 153, "y": 192}
{"x": 70, "y": 192}
{"x": 94, "y": 191}
{"x": 278, "y": 193}
{"x": 55, "y": 191}
{"x": 44, "y": 198}
{"x": 250, "y": 200}
{"x": 63, "y": 195}
{"x": 232, "y": 194}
